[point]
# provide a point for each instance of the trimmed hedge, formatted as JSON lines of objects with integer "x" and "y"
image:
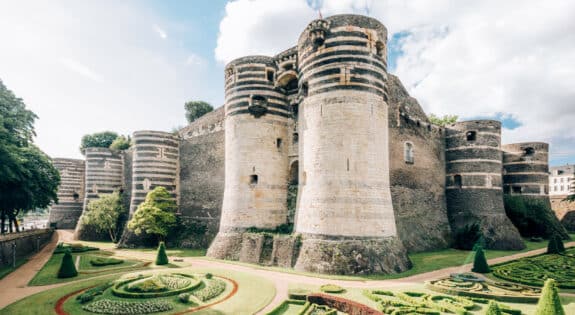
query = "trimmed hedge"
{"x": 67, "y": 267}
{"x": 331, "y": 288}
{"x": 107, "y": 306}
{"x": 480, "y": 262}
{"x": 162, "y": 258}
{"x": 73, "y": 248}
{"x": 213, "y": 288}
{"x": 90, "y": 294}
{"x": 120, "y": 288}
{"x": 101, "y": 261}
{"x": 549, "y": 303}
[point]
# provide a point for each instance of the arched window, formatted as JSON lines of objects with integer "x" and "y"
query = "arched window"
{"x": 408, "y": 153}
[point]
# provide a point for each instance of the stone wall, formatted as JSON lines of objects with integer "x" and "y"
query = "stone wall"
{"x": 67, "y": 211}
{"x": 417, "y": 182}
{"x": 27, "y": 243}
{"x": 202, "y": 178}
{"x": 526, "y": 169}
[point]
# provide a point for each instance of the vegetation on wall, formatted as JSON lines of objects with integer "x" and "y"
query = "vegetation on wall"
{"x": 443, "y": 121}
{"x": 533, "y": 217}
{"x": 197, "y": 109}
{"x": 121, "y": 143}
{"x": 156, "y": 215}
{"x": 105, "y": 139}
{"x": 467, "y": 237}
{"x": 28, "y": 179}
{"x": 103, "y": 213}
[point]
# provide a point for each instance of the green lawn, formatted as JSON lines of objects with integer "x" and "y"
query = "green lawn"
{"x": 47, "y": 275}
{"x": 86, "y": 266}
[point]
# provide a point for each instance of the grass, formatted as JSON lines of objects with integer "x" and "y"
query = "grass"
{"x": 85, "y": 264}
{"x": 6, "y": 270}
{"x": 47, "y": 275}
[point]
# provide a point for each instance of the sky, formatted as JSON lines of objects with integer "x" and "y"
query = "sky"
{"x": 95, "y": 65}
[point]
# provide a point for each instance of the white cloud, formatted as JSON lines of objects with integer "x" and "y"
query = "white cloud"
{"x": 194, "y": 60}
{"x": 510, "y": 58}
{"x": 81, "y": 69}
{"x": 159, "y": 31}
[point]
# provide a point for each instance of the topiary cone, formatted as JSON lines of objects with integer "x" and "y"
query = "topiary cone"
{"x": 67, "y": 267}
{"x": 549, "y": 302}
{"x": 560, "y": 245}
{"x": 162, "y": 258}
{"x": 480, "y": 263}
{"x": 493, "y": 309}
{"x": 552, "y": 247}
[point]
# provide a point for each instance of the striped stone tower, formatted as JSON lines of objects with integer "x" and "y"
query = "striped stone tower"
{"x": 526, "y": 169}
{"x": 256, "y": 155}
{"x": 474, "y": 183}
{"x": 345, "y": 213}
{"x": 67, "y": 211}
{"x": 104, "y": 175}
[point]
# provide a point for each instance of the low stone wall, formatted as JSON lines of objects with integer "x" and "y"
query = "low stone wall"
{"x": 27, "y": 243}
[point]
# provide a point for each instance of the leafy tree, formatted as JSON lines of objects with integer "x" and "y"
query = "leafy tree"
{"x": 121, "y": 143}
{"x": 98, "y": 140}
{"x": 443, "y": 121}
{"x": 161, "y": 257}
{"x": 156, "y": 215}
{"x": 103, "y": 214}
{"x": 28, "y": 179}
{"x": 493, "y": 309}
{"x": 549, "y": 302}
{"x": 67, "y": 267}
{"x": 480, "y": 263}
{"x": 197, "y": 109}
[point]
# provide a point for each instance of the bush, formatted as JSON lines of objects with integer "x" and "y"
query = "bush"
{"x": 209, "y": 275}
{"x": 74, "y": 248}
{"x": 100, "y": 262}
{"x": 493, "y": 309}
{"x": 107, "y": 306}
{"x": 553, "y": 246}
{"x": 466, "y": 237}
{"x": 90, "y": 294}
{"x": 184, "y": 298}
{"x": 162, "y": 258}
{"x": 331, "y": 288}
{"x": 67, "y": 267}
{"x": 533, "y": 217}
{"x": 480, "y": 263}
{"x": 212, "y": 289}
{"x": 549, "y": 302}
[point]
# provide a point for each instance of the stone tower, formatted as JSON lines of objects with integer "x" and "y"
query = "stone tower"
{"x": 345, "y": 213}
{"x": 526, "y": 169}
{"x": 474, "y": 183}
{"x": 256, "y": 168}
{"x": 67, "y": 211}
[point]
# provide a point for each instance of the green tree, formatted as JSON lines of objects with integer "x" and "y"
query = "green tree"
{"x": 480, "y": 263}
{"x": 28, "y": 179}
{"x": 161, "y": 257}
{"x": 197, "y": 109}
{"x": 156, "y": 215}
{"x": 103, "y": 214}
{"x": 121, "y": 143}
{"x": 549, "y": 302}
{"x": 67, "y": 267}
{"x": 443, "y": 121}
{"x": 493, "y": 309}
{"x": 98, "y": 140}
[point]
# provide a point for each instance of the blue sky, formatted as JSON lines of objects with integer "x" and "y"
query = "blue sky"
{"x": 93, "y": 65}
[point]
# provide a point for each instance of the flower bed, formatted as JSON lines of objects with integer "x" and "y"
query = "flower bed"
{"x": 106, "y": 306}
{"x": 155, "y": 286}
{"x": 213, "y": 288}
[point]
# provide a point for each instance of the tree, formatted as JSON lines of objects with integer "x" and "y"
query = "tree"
{"x": 103, "y": 214}
{"x": 156, "y": 215}
{"x": 480, "y": 263}
{"x": 549, "y": 302}
{"x": 443, "y": 121}
{"x": 197, "y": 109}
{"x": 121, "y": 143}
{"x": 67, "y": 267}
{"x": 161, "y": 257}
{"x": 98, "y": 140}
{"x": 28, "y": 179}
{"x": 493, "y": 309}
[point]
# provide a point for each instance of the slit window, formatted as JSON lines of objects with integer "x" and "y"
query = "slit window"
{"x": 458, "y": 181}
{"x": 304, "y": 89}
{"x": 279, "y": 143}
{"x": 471, "y": 135}
{"x": 253, "y": 179}
{"x": 270, "y": 75}
{"x": 76, "y": 196}
{"x": 295, "y": 138}
{"x": 408, "y": 153}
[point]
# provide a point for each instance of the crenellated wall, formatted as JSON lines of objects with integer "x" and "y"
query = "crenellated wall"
{"x": 474, "y": 183}
{"x": 66, "y": 213}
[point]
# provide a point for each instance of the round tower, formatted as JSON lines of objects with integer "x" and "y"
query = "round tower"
{"x": 104, "y": 175}
{"x": 67, "y": 211}
{"x": 474, "y": 183}
{"x": 345, "y": 214}
{"x": 526, "y": 169}
{"x": 256, "y": 170}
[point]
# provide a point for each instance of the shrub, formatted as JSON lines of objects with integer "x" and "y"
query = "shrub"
{"x": 100, "y": 261}
{"x": 298, "y": 294}
{"x": 560, "y": 245}
{"x": 209, "y": 275}
{"x": 331, "y": 288}
{"x": 162, "y": 258}
{"x": 467, "y": 236}
{"x": 549, "y": 302}
{"x": 553, "y": 247}
{"x": 107, "y": 306}
{"x": 90, "y": 294}
{"x": 184, "y": 298}
{"x": 480, "y": 263}
{"x": 152, "y": 284}
{"x": 74, "y": 248}
{"x": 212, "y": 288}
{"x": 533, "y": 217}
{"x": 67, "y": 267}
{"x": 493, "y": 309}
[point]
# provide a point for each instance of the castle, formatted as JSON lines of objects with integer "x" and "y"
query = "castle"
{"x": 375, "y": 179}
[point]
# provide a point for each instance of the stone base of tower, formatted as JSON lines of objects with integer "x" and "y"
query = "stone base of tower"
{"x": 226, "y": 245}
{"x": 346, "y": 256}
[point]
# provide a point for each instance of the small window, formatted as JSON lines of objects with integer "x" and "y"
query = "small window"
{"x": 253, "y": 179}
{"x": 304, "y": 89}
{"x": 270, "y": 75}
{"x": 288, "y": 66}
{"x": 76, "y": 196}
{"x": 279, "y": 143}
{"x": 295, "y": 138}
{"x": 408, "y": 153}
{"x": 471, "y": 135}
{"x": 516, "y": 189}
{"x": 458, "y": 181}
{"x": 528, "y": 151}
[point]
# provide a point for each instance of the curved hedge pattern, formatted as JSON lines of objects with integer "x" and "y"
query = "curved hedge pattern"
{"x": 106, "y": 306}
{"x": 155, "y": 286}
